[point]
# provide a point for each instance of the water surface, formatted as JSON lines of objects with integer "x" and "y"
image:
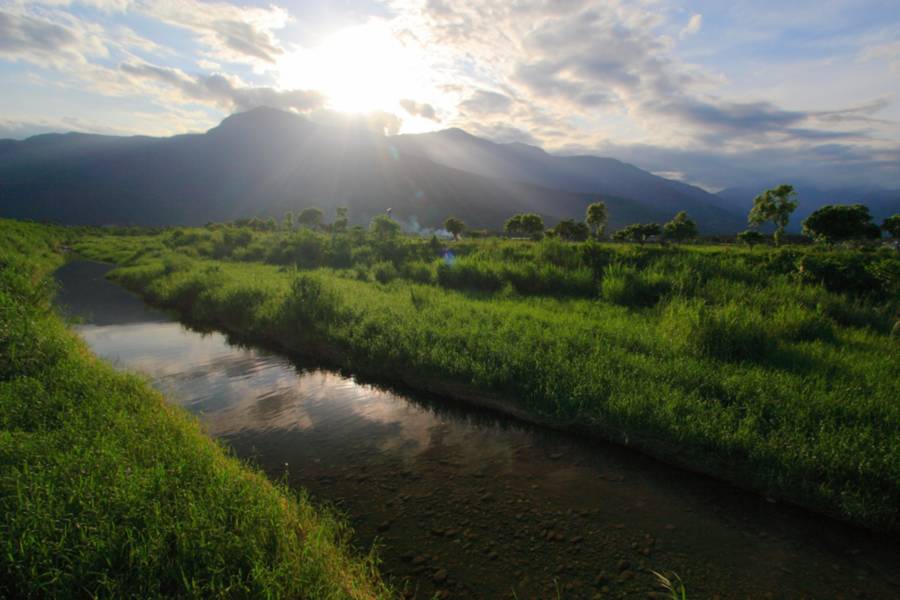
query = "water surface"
{"x": 470, "y": 504}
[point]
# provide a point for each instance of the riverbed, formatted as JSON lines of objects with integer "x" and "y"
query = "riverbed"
{"x": 470, "y": 504}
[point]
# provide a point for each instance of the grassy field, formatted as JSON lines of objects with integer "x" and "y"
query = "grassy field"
{"x": 107, "y": 491}
{"x": 774, "y": 368}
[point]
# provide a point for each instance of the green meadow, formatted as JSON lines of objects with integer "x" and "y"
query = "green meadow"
{"x": 106, "y": 491}
{"x": 775, "y": 368}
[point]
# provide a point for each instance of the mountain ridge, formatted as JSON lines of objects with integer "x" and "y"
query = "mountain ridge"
{"x": 265, "y": 161}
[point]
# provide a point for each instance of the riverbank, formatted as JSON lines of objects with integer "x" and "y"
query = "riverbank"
{"x": 109, "y": 491}
{"x": 745, "y": 374}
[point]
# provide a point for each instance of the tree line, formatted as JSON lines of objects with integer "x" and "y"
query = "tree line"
{"x": 833, "y": 223}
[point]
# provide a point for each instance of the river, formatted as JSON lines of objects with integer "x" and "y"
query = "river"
{"x": 469, "y": 504}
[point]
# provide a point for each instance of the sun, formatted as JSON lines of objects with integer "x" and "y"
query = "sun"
{"x": 359, "y": 69}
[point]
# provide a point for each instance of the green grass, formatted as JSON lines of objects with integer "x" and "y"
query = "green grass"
{"x": 773, "y": 368}
{"x": 107, "y": 491}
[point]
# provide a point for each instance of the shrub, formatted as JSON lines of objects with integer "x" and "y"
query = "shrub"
{"x": 311, "y": 306}
{"x": 470, "y": 273}
{"x": 384, "y": 272}
{"x": 842, "y": 273}
{"x": 418, "y": 271}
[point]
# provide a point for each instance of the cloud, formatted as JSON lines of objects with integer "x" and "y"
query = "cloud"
{"x": 48, "y": 44}
{"x": 224, "y": 91}
{"x": 483, "y": 102}
{"x": 230, "y": 33}
{"x": 692, "y": 27}
{"x": 419, "y": 109}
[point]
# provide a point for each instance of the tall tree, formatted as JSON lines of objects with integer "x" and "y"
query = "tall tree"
{"x": 572, "y": 230}
{"x": 310, "y": 217}
{"x": 596, "y": 217}
{"x": 526, "y": 224}
{"x": 384, "y": 227}
{"x": 751, "y": 237}
{"x": 341, "y": 218}
{"x": 891, "y": 226}
{"x": 775, "y": 205}
{"x": 288, "y": 222}
{"x": 454, "y": 226}
{"x": 680, "y": 228}
{"x": 840, "y": 223}
{"x": 637, "y": 232}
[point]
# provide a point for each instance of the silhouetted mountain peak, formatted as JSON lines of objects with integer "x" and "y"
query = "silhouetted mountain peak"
{"x": 263, "y": 119}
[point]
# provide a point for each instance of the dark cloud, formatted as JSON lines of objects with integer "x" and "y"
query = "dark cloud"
{"x": 483, "y": 102}
{"x": 224, "y": 91}
{"x": 828, "y": 165}
{"x": 419, "y": 109}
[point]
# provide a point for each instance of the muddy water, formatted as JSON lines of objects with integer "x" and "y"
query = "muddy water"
{"x": 469, "y": 504}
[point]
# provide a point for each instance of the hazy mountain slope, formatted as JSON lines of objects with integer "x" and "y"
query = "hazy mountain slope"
{"x": 259, "y": 163}
{"x": 882, "y": 203}
{"x": 579, "y": 174}
{"x": 265, "y": 162}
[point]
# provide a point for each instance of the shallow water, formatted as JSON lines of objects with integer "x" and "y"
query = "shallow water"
{"x": 471, "y": 504}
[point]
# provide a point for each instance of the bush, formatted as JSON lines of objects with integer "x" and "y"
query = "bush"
{"x": 311, "y": 307}
{"x": 842, "y": 273}
{"x": 418, "y": 271}
{"x": 470, "y": 273}
{"x": 384, "y": 272}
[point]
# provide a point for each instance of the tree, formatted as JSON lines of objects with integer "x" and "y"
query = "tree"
{"x": 527, "y": 224}
{"x": 680, "y": 228}
{"x": 454, "y": 226}
{"x": 341, "y": 219}
{"x": 288, "y": 220}
{"x": 310, "y": 217}
{"x": 384, "y": 227}
{"x": 774, "y": 205}
{"x": 596, "y": 217}
{"x": 751, "y": 237}
{"x": 637, "y": 233}
{"x": 840, "y": 223}
{"x": 572, "y": 231}
{"x": 891, "y": 225}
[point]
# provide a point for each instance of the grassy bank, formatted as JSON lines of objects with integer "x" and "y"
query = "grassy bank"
{"x": 775, "y": 369}
{"x": 107, "y": 491}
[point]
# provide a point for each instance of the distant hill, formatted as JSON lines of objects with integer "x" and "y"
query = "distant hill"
{"x": 577, "y": 174}
{"x": 265, "y": 162}
{"x": 881, "y": 203}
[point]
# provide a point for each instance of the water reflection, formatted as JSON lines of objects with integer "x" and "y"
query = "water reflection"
{"x": 472, "y": 504}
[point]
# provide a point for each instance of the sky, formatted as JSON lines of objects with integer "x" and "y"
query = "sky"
{"x": 713, "y": 93}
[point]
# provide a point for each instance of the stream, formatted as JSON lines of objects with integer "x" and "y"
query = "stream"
{"x": 465, "y": 503}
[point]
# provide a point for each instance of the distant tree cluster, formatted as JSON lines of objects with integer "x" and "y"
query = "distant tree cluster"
{"x": 831, "y": 224}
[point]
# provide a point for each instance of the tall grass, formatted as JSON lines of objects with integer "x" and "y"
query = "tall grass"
{"x": 728, "y": 361}
{"x": 107, "y": 491}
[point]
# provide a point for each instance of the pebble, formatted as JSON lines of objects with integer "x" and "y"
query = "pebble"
{"x": 440, "y": 576}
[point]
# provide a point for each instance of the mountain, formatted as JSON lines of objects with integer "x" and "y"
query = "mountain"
{"x": 881, "y": 203}
{"x": 265, "y": 162}
{"x": 577, "y": 174}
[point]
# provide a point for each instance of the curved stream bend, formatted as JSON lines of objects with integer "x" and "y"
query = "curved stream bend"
{"x": 469, "y": 504}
